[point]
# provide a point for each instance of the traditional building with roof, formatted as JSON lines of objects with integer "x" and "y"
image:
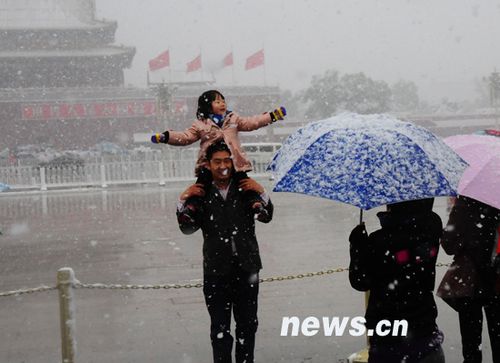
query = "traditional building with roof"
{"x": 62, "y": 82}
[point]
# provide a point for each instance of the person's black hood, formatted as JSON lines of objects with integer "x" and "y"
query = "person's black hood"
{"x": 409, "y": 213}
{"x": 412, "y": 206}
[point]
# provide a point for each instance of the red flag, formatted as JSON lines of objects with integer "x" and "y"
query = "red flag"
{"x": 228, "y": 60}
{"x": 194, "y": 65}
{"x": 161, "y": 61}
{"x": 255, "y": 60}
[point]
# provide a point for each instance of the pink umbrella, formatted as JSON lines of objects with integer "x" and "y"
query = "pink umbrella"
{"x": 481, "y": 180}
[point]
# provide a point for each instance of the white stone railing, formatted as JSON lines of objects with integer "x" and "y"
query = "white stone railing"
{"x": 104, "y": 174}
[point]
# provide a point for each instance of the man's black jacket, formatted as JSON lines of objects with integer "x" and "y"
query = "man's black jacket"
{"x": 224, "y": 222}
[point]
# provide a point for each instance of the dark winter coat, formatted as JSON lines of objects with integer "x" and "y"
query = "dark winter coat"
{"x": 222, "y": 223}
{"x": 470, "y": 236}
{"x": 397, "y": 265}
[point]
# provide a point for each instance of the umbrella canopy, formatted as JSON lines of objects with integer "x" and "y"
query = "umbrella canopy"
{"x": 366, "y": 161}
{"x": 481, "y": 180}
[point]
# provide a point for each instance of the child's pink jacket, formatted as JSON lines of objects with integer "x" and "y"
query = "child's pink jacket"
{"x": 208, "y": 132}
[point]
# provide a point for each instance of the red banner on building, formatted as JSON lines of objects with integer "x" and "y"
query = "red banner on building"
{"x": 94, "y": 110}
{"x": 180, "y": 105}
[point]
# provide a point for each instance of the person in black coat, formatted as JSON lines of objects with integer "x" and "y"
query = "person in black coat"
{"x": 397, "y": 265}
{"x": 471, "y": 284}
{"x": 231, "y": 259}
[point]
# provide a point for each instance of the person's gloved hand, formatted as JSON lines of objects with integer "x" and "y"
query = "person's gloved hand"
{"x": 358, "y": 234}
{"x": 195, "y": 190}
{"x": 160, "y": 138}
{"x": 278, "y": 114}
{"x": 187, "y": 215}
{"x": 250, "y": 184}
{"x": 259, "y": 211}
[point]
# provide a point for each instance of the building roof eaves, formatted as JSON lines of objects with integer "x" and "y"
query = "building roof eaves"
{"x": 107, "y": 51}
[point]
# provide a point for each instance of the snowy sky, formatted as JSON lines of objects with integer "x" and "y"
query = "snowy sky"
{"x": 444, "y": 46}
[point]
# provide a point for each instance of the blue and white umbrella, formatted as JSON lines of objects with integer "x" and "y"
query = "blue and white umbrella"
{"x": 366, "y": 161}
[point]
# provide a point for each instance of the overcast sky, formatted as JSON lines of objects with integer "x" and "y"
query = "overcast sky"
{"x": 444, "y": 46}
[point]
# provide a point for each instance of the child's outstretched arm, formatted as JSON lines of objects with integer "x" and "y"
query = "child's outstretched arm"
{"x": 177, "y": 138}
{"x": 256, "y": 122}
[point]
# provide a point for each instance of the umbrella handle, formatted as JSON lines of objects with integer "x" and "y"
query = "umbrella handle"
{"x": 360, "y": 216}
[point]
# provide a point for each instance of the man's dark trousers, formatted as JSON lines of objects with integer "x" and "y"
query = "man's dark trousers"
{"x": 235, "y": 292}
{"x": 471, "y": 327}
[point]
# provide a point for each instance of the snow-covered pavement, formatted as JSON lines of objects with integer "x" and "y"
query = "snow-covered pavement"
{"x": 131, "y": 236}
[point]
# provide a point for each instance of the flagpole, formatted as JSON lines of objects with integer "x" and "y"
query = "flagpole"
{"x": 201, "y": 66}
{"x": 232, "y": 67}
{"x": 169, "y": 68}
{"x": 265, "y": 78}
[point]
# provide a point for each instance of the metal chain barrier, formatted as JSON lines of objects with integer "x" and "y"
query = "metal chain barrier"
{"x": 301, "y": 276}
{"x": 79, "y": 285}
{"x": 66, "y": 282}
{"x": 28, "y": 291}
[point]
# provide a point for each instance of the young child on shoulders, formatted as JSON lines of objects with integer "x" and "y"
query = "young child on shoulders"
{"x": 214, "y": 123}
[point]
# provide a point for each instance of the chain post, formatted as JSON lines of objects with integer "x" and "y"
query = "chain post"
{"x": 65, "y": 281}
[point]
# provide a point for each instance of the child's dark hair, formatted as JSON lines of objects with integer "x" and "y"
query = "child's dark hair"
{"x": 205, "y": 103}
{"x": 215, "y": 147}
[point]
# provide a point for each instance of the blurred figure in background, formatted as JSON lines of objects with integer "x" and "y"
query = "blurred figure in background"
{"x": 472, "y": 283}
